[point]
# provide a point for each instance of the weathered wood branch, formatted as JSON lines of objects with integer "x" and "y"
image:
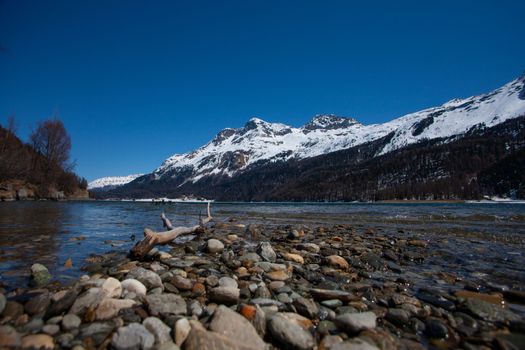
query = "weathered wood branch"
{"x": 152, "y": 238}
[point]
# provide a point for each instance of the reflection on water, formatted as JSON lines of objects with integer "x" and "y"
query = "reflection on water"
{"x": 470, "y": 239}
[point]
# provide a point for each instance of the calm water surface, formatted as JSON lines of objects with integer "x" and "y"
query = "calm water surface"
{"x": 476, "y": 241}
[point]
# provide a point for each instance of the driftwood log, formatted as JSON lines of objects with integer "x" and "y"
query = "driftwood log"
{"x": 152, "y": 238}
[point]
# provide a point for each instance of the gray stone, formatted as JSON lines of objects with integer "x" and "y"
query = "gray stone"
{"x": 160, "y": 331}
{"x": 98, "y": 331}
{"x": 133, "y": 337}
{"x": 64, "y": 303}
{"x": 51, "y": 329}
{"x": 228, "y": 282}
{"x": 356, "y": 322}
{"x": 399, "y": 317}
{"x": 250, "y": 257}
{"x": 233, "y": 325}
{"x": 166, "y": 305}
{"x": 182, "y": 329}
{"x": 328, "y": 294}
{"x": 436, "y": 329}
{"x": 266, "y": 252}
{"x": 199, "y": 339}
{"x": 37, "y": 304}
{"x": 181, "y": 283}
{"x": 70, "y": 322}
{"x": 167, "y": 346}
{"x": 133, "y": 286}
{"x": 214, "y": 246}
{"x": 9, "y": 337}
{"x": 40, "y": 275}
{"x": 34, "y": 326}
{"x": 195, "y": 308}
{"x": 90, "y": 299}
{"x": 306, "y": 307}
{"x": 224, "y": 295}
{"x": 289, "y": 333}
{"x": 149, "y": 278}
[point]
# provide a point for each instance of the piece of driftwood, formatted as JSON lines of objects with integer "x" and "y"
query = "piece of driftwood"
{"x": 152, "y": 238}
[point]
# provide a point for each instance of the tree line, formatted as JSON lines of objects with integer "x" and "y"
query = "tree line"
{"x": 43, "y": 161}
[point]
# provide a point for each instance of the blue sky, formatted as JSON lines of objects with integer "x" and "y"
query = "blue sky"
{"x": 137, "y": 81}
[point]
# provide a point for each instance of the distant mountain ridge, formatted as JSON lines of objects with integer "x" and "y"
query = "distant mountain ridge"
{"x": 111, "y": 182}
{"x": 259, "y": 144}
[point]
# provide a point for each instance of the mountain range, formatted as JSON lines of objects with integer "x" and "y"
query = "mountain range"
{"x": 408, "y": 157}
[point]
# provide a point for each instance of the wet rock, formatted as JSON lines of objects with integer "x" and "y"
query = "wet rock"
{"x": 133, "y": 337}
{"x": 109, "y": 308}
{"x": 13, "y": 310}
{"x": 288, "y": 333}
{"x": 38, "y": 341}
{"x": 160, "y": 331}
{"x": 356, "y": 322}
{"x": 266, "y": 252}
{"x": 231, "y": 324}
{"x": 70, "y": 322}
{"x": 65, "y": 340}
{"x": 9, "y": 337}
{"x": 306, "y": 307}
{"x": 40, "y": 275}
{"x": 488, "y": 311}
{"x": 90, "y": 299}
{"x": 399, "y": 317}
{"x": 326, "y": 327}
{"x": 112, "y": 288}
{"x": 182, "y": 329}
{"x": 338, "y": 262}
{"x": 214, "y": 246}
{"x": 97, "y": 331}
{"x": 329, "y": 341}
{"x": 133, "y": 286}
{"x": 38, "y": 304}
{"x": 166, "y": 304}
{"x": 149, "y": 278}
{"x": 327, "y": 294}
{"x": 436, "y": 329}
{"x": 224, "y": 295}
{"x": 181, "y": 283}
{"x": 332, "y": 303}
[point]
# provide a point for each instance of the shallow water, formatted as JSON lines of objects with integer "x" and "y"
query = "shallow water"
{"x": 474, "y": 241}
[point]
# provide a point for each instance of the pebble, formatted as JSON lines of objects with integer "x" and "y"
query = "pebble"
{"x": 109, "y": 308}
{"x": 9, "y": 337}
{"x": 38, "y": 304}
{"x": 266, "y": 252}
{"x": 40, "y": 275}
{"x": 166, "y": 305}
{"x": 224, "y": 295}
{"x": 337, "y": 261}
{"x": 133, "y": 286}
{"x": 228, "y": 282}
{"x": 306, "y": 307}
{"x": 38, "y": 341}
{"x": 294, "y": 257}
{"x": 231, "y": 324}
{"x": 133, "y": 337}
{"x": 70, "y": 322}
{"x": 181, "y": 283}
{"x": 182, "y": 329}
{"x": 160, "y": 331}
{"x": 90, "y": 299}
{"x": 289, "y": 333}
{"x": 356, "y": 322}
{"x": 214, "y": 246}
{"x": 149, "y": 278}
{"x": 398, "y": 317}
{"x": 51, "y": 329}
{"x": 112, "y": 288}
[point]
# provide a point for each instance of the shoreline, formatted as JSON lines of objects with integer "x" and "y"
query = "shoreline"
{"x": 289, "y": 287}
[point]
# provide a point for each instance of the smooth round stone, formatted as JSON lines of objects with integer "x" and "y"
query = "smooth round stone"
{"x": 332, "y": 304}
{"x": 228, "y": 282}
{"x": 110, "y": 308}
{"x": 70, "y": 322}
{"x": 181, "y": 283}
{"x": 112, "y": 288}
{"x": 214, "y": 246}
{"x": 290, "y": 334}
{"x": 40, "y": 275}
{"x": 294, "y": 257}
{"x": 399, "y": 317}
{"x": 436, "y": 329}
{"x": 149, "y": 278}
{"x": 166, "y": 304}
{"x": 133, "y": 286}
{"x": 160, "y": 331}
{"x": 276, "y": 285}
{"x": 182, "y": 329}
{"x": 9, "y": 337}
{"x": 37, "y": 304}
{"x": 224, "y": 295}
{"x": 284, "y": 298}
{"x": 338, "y": 262}
{"x": 133, "y": 337}
{"x": 326, "y": 327}
{"x": 266, "y": 252}
{"x": 51, "y": 329}
{"x": 356, "y": 322}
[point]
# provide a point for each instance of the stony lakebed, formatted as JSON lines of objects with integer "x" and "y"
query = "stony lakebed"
{"x": 244, "y": 285}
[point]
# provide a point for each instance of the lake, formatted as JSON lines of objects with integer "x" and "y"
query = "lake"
{"x": 476, "y": 241}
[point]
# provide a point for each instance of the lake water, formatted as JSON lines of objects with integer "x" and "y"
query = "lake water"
{"x": 477, "y": 241}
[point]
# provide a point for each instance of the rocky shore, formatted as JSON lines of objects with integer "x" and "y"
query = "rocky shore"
{"x": 257, "y": 287}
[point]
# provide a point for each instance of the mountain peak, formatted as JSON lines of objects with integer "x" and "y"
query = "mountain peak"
{"x": 329, "y": 121}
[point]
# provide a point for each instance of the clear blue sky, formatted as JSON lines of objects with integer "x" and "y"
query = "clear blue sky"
{"x": 137, "y": 81}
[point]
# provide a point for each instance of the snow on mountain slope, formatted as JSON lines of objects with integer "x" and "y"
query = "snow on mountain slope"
{"x": 234, "y": 150}
{"x": 110, "y": 182}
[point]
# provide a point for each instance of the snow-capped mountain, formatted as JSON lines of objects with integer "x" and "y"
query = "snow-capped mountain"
{"x": 259, "y": 142}
{"x": 111, "y": 182}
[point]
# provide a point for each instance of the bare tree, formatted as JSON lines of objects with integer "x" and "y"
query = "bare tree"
{"x": 52, "y": 141}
